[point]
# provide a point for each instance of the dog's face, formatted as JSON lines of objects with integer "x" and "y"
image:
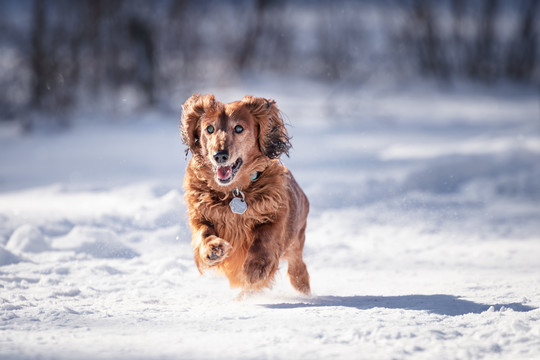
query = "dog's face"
{"x": 230, "y": 141}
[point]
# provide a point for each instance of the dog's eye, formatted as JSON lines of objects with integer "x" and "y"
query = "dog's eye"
{"x": 238, "y": 129}
{"x": 210, "y": 129}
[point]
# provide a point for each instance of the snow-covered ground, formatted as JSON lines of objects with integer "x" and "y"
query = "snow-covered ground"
{"x": 423, "y": 241}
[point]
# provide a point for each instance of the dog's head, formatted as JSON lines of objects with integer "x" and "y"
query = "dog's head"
{"x": 232, "y": 139}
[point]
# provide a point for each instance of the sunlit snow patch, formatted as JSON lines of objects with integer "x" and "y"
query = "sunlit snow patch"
{"x": 99, "y": 243}
{"x": 27, "y": 238}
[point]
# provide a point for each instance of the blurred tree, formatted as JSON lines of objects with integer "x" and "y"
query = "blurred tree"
{"x": 58, "y": 54}
{"x": 93, "y": 27}
{"x": 39, "y": 63}
{"x": 459, "y": 48}
{"x": 423, "y": 34}
{"x": 340, "y": 43}
{"x": 482, "y": 63}
{"x": 142, "y": 43}
{"x": 253, "y": 33}
{"x": 55, "y": 41}
{"x": 182, "y": 38}
{"x": 274, "y": 47}
{"x": 523, "y": 49}
{"x": 474, "y": 47}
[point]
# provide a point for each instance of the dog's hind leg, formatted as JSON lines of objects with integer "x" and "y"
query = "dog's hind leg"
{"x": 297, "y": 270}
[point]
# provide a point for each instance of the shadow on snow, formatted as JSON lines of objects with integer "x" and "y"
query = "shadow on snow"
{"x": 438, "y": 304}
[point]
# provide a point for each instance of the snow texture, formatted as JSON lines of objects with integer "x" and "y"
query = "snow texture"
{"x": 27, "y": 238}
{"x": 422, "y": 243}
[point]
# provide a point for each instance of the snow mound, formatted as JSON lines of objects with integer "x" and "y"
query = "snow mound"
{"x": 161, "y": 209}
{"x": 7, "y": 257}
{"x": 27, "y": 238}
{"x": 99, "y": 243}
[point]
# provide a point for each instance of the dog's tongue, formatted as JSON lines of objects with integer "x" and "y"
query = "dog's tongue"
{"x": 224, "y": 172}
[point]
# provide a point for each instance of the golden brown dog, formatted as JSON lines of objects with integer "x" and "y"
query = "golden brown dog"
{"x": 246, "y": 211}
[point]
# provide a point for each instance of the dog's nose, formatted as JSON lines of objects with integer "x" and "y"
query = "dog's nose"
{"x": 221, "y": 156}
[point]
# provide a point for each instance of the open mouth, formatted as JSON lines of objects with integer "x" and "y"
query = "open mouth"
{"x": 226, "y": 173}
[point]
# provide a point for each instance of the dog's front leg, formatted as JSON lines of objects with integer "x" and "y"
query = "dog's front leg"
{"x": 208, "y": 249}
{"x": 262, "y": 260}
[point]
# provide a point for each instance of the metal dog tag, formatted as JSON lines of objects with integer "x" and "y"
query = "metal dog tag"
{"x": 238, "y": 204}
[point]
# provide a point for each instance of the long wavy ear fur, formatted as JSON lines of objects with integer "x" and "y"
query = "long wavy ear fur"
{"x": 273, "y": 136}
{"x": 192, "y": 110}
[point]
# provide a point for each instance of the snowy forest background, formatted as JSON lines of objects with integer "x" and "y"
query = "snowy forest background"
{"x": 124, "y": 56}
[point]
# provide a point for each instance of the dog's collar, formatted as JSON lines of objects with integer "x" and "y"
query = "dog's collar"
{"x": 238, "y": 203}
{"x": 255, "y": 175}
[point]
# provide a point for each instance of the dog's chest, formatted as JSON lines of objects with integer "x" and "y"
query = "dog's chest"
{"x": 232, "y": 211}
{"x": 245, "y": 212}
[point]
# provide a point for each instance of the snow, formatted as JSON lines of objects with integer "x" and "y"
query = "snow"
{"x": 7, "y": 257}
{"x": 422, "y": 242}
{"x": 27, "y": 238}
{"x": 99, "y": 243}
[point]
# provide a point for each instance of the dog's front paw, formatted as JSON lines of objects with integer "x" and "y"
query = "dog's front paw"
{"x": 215, "y": 251}
{"x": 258, "y": 269}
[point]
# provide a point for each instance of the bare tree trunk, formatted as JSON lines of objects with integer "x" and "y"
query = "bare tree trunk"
{"x": 93, "y": 35}
{"x": 253, "y": 33}
{"x": 459, "y": 44}
{"x": 38, "y": 57}
{"x": 184, "y": 40}
{"x": 144, "y": 49}
{"x": 521, "y": 59}
{"x": 430, "y": 49}
{"x": 482, "y": 63}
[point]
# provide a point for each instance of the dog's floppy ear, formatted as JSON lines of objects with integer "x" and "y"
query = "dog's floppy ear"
{"x": 192, "y": 110}
{"x": 273, "y": 137}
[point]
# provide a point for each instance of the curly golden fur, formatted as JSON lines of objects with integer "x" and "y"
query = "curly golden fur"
{"x": 237, "y": 146}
